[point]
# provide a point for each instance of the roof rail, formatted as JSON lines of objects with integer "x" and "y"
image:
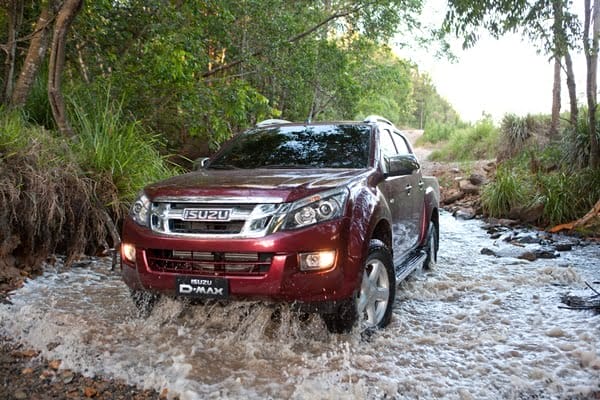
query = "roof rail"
{"x": 271, "y": 121}
{"x": 377, "y": 118}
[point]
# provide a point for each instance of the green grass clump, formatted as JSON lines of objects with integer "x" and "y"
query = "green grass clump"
{"x": 508, "y": 190}
{"x": 111, "y": 146}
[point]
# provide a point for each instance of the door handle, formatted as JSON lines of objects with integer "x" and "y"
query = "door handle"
{"x": 421, "y": 184}
{"x": 408, "y": 188}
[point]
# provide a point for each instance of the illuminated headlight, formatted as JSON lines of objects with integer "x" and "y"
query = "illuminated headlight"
{"x": 317, "y": 261}
{"x": 128, "y": 252}
{"x": 315, "y": 209}
{"x": 140, "y": 210}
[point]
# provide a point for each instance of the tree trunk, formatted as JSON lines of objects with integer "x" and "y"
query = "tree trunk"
{"x": 35, "y": 56}
{"x": 15, "y": 17}
{"x": 592, "y": 86}
{"x": 64, "y": 17}
{"x": 555, "y": 119}
{"x": 571, "y": 89}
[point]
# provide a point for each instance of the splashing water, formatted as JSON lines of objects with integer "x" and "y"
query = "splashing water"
{"x": 473, "y": 327}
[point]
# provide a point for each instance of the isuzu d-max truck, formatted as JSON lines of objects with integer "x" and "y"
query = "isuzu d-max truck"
{"x": 330, "y": 216}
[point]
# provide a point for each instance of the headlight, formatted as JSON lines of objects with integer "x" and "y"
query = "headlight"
{"x": 140, "y": 210}
{"x": 314, "y": 209}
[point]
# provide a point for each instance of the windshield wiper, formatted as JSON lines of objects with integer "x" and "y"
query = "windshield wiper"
{"x": 222, "y": 166}
{"x": 287, "y": 166}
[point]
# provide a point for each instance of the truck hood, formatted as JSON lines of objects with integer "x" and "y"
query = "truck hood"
{"x": 277, "y": 185}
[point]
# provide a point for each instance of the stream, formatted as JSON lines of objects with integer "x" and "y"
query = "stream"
{"x": 475, "y": 326}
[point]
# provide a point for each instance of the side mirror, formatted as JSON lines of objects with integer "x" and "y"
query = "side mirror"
{"x": 404, "y": 164}
{"x": 200, "y": 163}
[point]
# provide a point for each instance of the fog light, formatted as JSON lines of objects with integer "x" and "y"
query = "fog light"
{"x": 128, "y": 252}
{"x": 316, "y": 261}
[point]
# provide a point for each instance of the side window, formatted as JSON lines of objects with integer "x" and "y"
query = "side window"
{"x": 388, "y": 148}
{"x": 401, "y": 144}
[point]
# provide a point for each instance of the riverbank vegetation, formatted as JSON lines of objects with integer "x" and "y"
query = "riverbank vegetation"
{"x": 540, "y": 178}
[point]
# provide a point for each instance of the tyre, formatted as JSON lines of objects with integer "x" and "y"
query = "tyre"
{"x": 431, "y": 247}
{"x": 372, "y": 305}
{"x": 144, "y": 302}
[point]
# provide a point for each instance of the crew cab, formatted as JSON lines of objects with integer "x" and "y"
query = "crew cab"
{"x": 330, "y": 216}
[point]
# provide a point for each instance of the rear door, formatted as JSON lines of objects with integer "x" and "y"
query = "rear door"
{"x": 398, "y": 191}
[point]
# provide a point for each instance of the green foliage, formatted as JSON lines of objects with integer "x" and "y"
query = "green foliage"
{"x": 533, "y": 177}
{"x": 575, "y": 142}
{"x": 506, "y": 192}
{"x": 231, "y": 63}
{"x": 436, "y": 132}
{"x": 473, "y": 142}
{"x": 12, "y": 126}
{"x": 111, "y": 147}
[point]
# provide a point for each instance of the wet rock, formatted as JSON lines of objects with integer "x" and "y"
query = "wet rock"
{"x": 528, "y": 255}
{"x": 563, "y": 246}
{"x": 464, "y": 213}
{"x": 546, "y": 252}
{"x": 467, "y": 187}
{"x": 488, "y": 252}
{"x": 526, "y": 238}
{"x": 478, "y": 179}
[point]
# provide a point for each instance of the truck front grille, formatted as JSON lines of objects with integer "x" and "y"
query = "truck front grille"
{"x": 213, "y": 263}
{"x": 213, "y": 219}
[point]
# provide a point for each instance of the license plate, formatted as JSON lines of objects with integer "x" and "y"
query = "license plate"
{"x": 201, "y": 287}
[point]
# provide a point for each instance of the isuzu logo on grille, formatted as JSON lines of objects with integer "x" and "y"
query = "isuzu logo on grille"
{"x": 203, "y": 214}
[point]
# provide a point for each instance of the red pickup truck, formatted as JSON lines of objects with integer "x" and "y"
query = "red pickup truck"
{"x": 330, "y": 216}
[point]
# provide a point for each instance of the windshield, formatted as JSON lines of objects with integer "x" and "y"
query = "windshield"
{"x": 316, "y": 146}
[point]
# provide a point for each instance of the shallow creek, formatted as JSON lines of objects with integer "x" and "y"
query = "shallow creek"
{"x": 474, "y": 327}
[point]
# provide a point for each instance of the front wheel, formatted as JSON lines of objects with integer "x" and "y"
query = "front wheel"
{"x": 373, "y": 303}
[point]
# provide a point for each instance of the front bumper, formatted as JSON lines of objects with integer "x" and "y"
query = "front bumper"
{"x": 282, "y": 279}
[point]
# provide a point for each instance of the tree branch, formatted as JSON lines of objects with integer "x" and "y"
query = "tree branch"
{"x": 292, "y": 39}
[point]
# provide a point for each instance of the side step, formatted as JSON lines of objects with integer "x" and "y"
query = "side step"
{"x": 409, "y": 265}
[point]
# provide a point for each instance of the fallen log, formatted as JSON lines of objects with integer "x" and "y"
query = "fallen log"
{"x": 569, "y": 226}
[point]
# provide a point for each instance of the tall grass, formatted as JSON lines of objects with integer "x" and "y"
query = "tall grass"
{"x": 509, "y": 190}
{"x": 111, "y": 146}
{"x": 575, "y": 142}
